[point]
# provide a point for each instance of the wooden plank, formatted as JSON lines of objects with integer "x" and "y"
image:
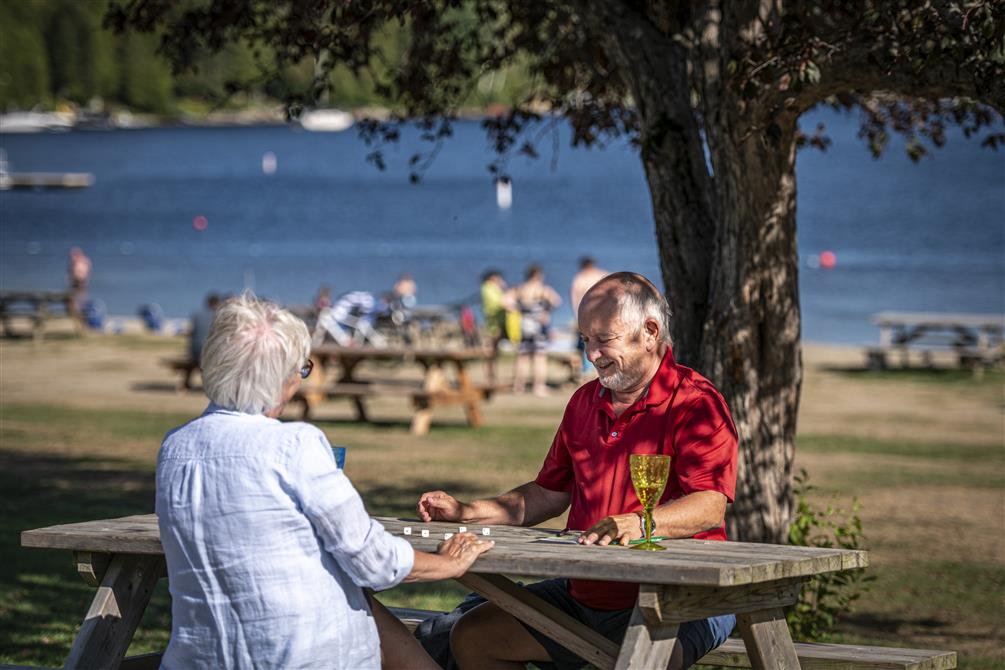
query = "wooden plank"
{"x": 820, "y": 656}
{"x": 527, "y": 551}
{"x": 115, "y": 612}
{"x": 545, "y": 617}
{"x": 646, "y": 644}
{"x": 677, "y": 604}
{"x": 948, "y": 319}
{"x": 132, "y": 534}
{"x": 411, "y": 618}
{"x": 768, "y": 641}
{"x": 150, "y": 661}
{"x": 91, "y": 566}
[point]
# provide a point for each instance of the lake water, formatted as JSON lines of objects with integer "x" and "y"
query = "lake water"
{"x": 928, "y": 236}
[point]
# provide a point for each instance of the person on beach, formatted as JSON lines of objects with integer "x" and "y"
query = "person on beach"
{"x": 535, "y": 301}
{"x": 643, "y": 402}
{"x": 78, "y": 275}
{"x": 202, "y": 321}
{"x": 268, "y": 545}
{"x": 493, "y": 292}
{"x": 588, "y": 275}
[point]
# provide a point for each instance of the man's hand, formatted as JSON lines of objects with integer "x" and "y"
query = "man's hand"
{"x": 439, "y": 506}
{"x": 463, "y": 549}
{"x": 620, "y": 529}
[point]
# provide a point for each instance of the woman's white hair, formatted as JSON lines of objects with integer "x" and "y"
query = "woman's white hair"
{"x": 252, "y": 351}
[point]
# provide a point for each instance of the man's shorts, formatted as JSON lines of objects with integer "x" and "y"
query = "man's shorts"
{"x": 696, "y": 638}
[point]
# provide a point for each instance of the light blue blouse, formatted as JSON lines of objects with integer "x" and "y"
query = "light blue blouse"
{"x": 267, "y": 546}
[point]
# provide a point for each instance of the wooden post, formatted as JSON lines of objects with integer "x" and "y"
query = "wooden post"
{"x": 768, "y": 641}
{"x": 471, "y": 398}
{"x": 645, "y": 646}
{"x": 115, "y": 611}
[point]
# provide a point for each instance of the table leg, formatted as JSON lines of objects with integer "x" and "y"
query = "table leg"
{"x": 115, "y": 611}
{"x": 768, "y": 641}
{"x": 471, "y": 398}
{"x": 647, "y": 644}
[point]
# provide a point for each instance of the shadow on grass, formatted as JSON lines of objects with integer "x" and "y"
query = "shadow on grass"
{"x": 42, "y": 600}
{"x": 164, "y": 387}
{"x": 400, "y": 501}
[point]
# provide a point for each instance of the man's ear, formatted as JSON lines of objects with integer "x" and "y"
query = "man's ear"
{"x": 652, "y": 333}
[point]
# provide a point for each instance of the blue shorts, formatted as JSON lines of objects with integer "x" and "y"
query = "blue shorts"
{"x": 696, "y": 638}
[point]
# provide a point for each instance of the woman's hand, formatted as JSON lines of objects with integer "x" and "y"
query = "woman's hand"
{"x": 463, "y": 549}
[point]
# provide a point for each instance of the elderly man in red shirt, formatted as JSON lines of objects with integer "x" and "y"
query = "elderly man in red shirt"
{"x": 642, "y": 403}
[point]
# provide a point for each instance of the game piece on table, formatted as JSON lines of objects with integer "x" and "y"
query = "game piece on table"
{"x": 447, "y": 536}
{"x": 408, "y": 530}
{"x": 425, "y": 533}
{"x": 486, "y": 531}
{"x": 462, "y": 529}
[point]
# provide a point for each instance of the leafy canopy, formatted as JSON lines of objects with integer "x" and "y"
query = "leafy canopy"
{"x": 910, "y": 67}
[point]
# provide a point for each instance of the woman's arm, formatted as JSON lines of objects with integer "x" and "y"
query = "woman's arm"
{"x": 452, "y": 558}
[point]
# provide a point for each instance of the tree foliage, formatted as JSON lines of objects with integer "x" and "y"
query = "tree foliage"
{"x": 909, "y": 67}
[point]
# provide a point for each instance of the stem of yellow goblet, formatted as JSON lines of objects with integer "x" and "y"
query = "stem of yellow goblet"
{"x": 649, "y": 524}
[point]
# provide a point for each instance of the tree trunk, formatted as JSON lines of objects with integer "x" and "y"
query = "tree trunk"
{"x": 727, "y": 244}
{"x": 751, "y": 344}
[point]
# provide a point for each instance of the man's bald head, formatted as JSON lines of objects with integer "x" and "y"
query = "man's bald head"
{"x": 632, "y": 298}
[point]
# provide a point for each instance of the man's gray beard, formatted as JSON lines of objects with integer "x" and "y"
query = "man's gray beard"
{"x": 621, "y": 380}
{"x": 615, "y": 382}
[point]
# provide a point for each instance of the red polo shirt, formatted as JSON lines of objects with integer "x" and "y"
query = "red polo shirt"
{"x": 680, "y": 415}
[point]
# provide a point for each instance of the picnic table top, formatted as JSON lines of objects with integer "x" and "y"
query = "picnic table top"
{"x": 526, "y": 551}
{"x": 398, "y": 353}
{"x": 34, "y": 296}
{"x": 945, "y": 319}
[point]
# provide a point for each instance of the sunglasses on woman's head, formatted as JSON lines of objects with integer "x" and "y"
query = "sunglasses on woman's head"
{"x": 305, "y": 371}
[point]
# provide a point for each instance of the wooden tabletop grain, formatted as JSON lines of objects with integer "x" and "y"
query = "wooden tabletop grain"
{"x": 534, "y": 552}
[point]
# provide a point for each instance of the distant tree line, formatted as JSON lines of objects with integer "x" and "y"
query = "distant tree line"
{"x": 54, "y": 51}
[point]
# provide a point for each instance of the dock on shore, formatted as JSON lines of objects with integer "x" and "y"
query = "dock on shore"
{"x": 11, "y": 180}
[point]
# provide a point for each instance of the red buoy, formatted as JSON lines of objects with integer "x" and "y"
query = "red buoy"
{"x": 200, "y": 223}
{"x": 828, "y": 260}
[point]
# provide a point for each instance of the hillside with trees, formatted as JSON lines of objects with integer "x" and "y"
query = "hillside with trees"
{"x": 58, "y": 53}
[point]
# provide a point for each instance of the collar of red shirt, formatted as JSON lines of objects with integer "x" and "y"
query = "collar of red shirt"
{"x": 660, "y": 388}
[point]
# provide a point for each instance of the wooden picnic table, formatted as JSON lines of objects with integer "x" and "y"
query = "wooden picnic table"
{"x": 38, "y": 307}
{"x": 976, "y": 339}
{"x": 692, "y": 579}
{"x": 337, "y": 376}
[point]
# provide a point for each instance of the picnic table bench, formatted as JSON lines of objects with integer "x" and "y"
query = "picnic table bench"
{"x": 38, "y": 306}
{"x": 184, "y": 365}
{"x": 977, "y": 340}
{"x": 336, "y": 377}
{"x": 693, "y": 579}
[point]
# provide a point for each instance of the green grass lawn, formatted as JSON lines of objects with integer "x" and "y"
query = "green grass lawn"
{"x": 60, "y": 465}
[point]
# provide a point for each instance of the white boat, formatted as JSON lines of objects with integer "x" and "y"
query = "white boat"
{"x": 326, "y": 120}
{"x": 34, "y": 122}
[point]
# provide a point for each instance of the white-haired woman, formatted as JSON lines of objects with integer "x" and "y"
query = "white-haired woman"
{"x": 268, "y": 545}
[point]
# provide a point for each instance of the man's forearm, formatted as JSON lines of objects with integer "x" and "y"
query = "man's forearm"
{"x": 690, "y": 515}
{"x": 525, "y": 505}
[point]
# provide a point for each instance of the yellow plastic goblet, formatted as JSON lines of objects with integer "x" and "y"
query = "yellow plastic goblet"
{"x": 649, "y": 477}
